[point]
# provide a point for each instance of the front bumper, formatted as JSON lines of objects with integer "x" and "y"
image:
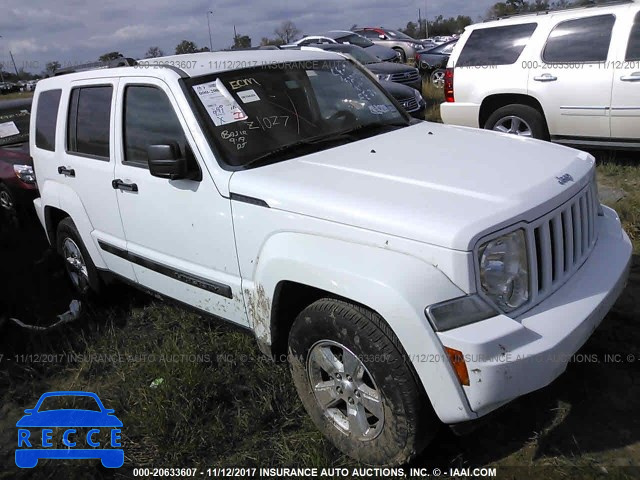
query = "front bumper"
{"x": 507, "y": 358}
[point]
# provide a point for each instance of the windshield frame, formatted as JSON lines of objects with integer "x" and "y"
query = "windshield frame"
{"x": 201, "y": 116}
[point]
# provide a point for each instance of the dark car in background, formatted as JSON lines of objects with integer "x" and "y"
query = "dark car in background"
{"x": 409, "y": 97}
{"x": 400, "y": 42}
{"x": 433, "y": 62}
{"x": 17, "y": 180}
{"x": 384, "y": 71}
{"x": 349, "y": 38}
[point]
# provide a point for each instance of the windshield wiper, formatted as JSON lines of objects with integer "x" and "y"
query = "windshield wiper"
{"x": 278, "y": 153}
{"x": 292, "y": 147}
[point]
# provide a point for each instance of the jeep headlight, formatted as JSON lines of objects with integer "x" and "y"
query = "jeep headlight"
{"x": 504, "y": 272}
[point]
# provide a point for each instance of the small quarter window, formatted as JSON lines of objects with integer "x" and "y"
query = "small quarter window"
{"x": 46, "y": 119}
{"x": 496, "y": 45}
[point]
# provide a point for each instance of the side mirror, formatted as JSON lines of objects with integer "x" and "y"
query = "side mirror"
{"x": 29, "y": 411}
{"x": 165, "y": 162}
{"x": 382, "y": 37}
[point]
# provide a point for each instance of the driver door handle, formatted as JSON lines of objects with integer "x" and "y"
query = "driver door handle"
{"x": 634, "y": 77}
{"x": 545, "y": 77}
{"x": 67, "y": 172}
{"x": 120, "y": 185}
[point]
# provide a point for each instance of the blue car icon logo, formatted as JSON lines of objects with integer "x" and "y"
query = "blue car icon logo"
{"x": 100, "y": 420}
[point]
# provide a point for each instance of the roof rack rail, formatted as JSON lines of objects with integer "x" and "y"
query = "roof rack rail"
{"x": 556, "y": 10}
{"x": 117, "y": 62}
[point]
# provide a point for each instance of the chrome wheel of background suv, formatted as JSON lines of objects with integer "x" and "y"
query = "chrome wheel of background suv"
{"x": 514, "y": 125}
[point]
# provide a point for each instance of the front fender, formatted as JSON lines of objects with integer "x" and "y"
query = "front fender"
{"x": 395, "y": 285}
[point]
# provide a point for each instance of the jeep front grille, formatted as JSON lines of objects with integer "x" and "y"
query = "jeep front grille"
{"x": 560, "y": 242}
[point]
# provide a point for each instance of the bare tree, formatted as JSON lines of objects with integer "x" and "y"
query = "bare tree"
{"x": 287, "y": 31}
{"x": 51, "y": 67}
{"x": 154, "y": 52}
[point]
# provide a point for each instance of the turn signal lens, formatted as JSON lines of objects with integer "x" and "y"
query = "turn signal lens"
{"x": 457, "y": 362}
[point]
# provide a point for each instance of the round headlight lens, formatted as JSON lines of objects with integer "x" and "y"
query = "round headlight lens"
{"x": 504, "y": 273}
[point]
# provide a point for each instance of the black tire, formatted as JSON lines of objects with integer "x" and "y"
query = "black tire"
{"x": 91, "y": 283}
{"x": 408, "y": 420}
{"x": 8, "y": 208}
{"x": 532, "y": 117}
{"x": 403, "y": 56}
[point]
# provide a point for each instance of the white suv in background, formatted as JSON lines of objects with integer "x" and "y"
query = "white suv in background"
{"x": 570, "y": 76}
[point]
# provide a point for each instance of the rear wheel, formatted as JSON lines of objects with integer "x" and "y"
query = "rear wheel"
{"x": 357, "y": 384}
{"x": 403, "y": 56}
{"x": 521, "y": 120}
{"x": 437, "y": 78}
{"x": 80, "y": 268}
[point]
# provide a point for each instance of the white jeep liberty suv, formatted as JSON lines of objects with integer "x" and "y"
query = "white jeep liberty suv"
{"x": 281, "y": 191}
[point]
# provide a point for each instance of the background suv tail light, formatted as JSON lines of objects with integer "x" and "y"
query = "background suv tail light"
{"x": 448, "y": 85}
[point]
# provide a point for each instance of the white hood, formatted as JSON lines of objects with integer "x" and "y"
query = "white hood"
{"x": 433, "y": 183}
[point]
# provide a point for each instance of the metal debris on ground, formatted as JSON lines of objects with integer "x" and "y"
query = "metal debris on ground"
{"x": 74, "y": 312}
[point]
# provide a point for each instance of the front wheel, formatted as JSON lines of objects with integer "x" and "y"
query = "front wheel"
{"x": 357, "y": 384}
{"x": 80, "y": 268}
{"x": 521, "y": 120}
{"x": 8, "y": 206}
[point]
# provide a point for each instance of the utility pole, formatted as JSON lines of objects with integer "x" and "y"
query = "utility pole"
{"x": 14, "y": 65}
{"x": 210, "y": 12}
{"x": 426, "y": 21}
{"x": 1, "y": 67}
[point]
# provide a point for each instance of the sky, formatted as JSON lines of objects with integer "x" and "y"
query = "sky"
{"x": 73, "y": 31}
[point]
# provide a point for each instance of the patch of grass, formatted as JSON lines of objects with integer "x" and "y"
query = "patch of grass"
{"x": 434, "y": 97}
{"x": 16, "y": 96}
{"x": 621, "y": 171}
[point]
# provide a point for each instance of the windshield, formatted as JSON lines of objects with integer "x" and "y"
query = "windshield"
{"x": 355, "y": 39}
{"x": 263, "y": 111}
{"x": 14, "y": 124}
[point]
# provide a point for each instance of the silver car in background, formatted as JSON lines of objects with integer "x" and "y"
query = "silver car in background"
{"x": 400, "y": 42}
{"x": 349, "y": 38}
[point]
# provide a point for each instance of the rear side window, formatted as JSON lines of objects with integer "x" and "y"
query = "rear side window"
{"x": 89, "y": 121}
{"x": 46, "y": 119}
{"x": 495, "y": 46}
{"x": 581, "y": 40}
{"x": 149, "y": 119}
{"x": 633, "y": 49}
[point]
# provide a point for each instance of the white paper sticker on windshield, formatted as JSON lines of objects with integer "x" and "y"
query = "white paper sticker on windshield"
{"x": 311, "y": 73}
{"x": 379, "y": 109}
{"x": 221, "y": 108}
{"x": 248, "y": 96}
{"x": 8, "y": 129}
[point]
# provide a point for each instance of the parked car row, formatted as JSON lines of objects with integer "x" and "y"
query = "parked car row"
{"x": 10, "y": 87}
